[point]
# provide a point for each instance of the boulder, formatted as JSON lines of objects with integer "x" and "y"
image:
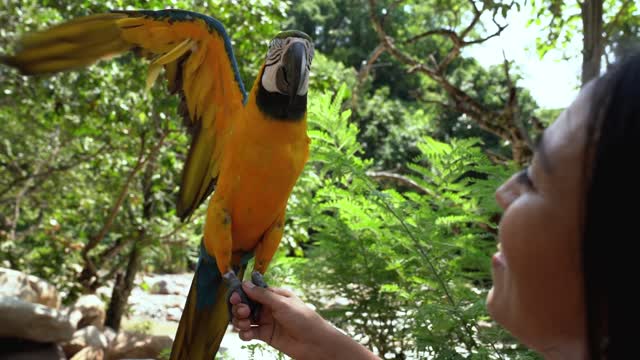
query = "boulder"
{"x": 110, "y": 335}
{"x": 88, "y": 310}
{"x": 20, "y": 349}
{"x": 36, "y": 322}
{"x": 128, "y": 345}
{"x": 89, "y": 336}
{"x": 28, "y": 288}
{"x": 89, "y": 353}
{"x": 174, "y": 314}
{"x": 160, "y": 288}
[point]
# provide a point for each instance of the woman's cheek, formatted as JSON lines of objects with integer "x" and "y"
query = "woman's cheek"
{"x": 520, "y": 230}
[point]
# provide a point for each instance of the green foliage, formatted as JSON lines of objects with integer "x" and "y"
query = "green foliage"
{"x": 391, "y": 128}
{"x": 393, "y": 105}
{"x": 404, "y": 269}
{"x": 488, "y": 87}
{"x": 70, "y": 141}
{"x": 165, "y": 354}
{"x": 342, "y": 30}
{"x": 258, "y": 351}
{"x": 548, "y": 116}
{"x": 142, "y": 327}
{"x": 326, "y": 73}
{"x": 563, "y": 21}
{"x": 624, "y": 29}
{"x": 406, "y": 273}
{"x": 561, "y": 29}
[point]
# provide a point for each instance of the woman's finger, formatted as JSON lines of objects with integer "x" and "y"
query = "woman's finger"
{"x": 243, "y": 325}
{"x": 235, "y": 298}
{"x": 281, "y": 291}
{"x": 261, "y": 332}
{"x": 240, "y": 311}
{"x": 264, "y": 296}
{"x": 248, "y": 335}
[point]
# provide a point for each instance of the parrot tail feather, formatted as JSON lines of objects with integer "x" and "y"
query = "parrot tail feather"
{"x": 205, "y": 317}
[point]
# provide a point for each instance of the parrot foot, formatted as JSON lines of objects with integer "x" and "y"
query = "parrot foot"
{"x": 258, "y": 280}
{"x": 235, "y": 285}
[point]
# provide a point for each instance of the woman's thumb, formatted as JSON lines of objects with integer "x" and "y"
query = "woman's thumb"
{"x": 259, "y": 294}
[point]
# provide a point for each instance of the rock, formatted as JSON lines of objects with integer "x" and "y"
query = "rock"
{"x": 160, "y": 288}
{"x": 152, "y": 306}
{"x": 20, "y": 349}
{"x": 89, "y": 353}
{"x": 28, "y": 288}
{"x": 110, "y": 334}
{"x": 105, "y": 291}
{"x": 88, "y": 310}
{"x": 174, "y": 314}
{"x": 25, "y": 320}
{"x": 173, "y": 284}
{"x": 137, "y": 346}
{"x": 89, "y": 336}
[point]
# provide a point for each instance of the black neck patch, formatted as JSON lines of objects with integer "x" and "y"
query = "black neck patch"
{"x": 277, "y": 105}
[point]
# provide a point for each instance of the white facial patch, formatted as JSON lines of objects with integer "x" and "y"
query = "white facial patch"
{"x": 269, "y": 79}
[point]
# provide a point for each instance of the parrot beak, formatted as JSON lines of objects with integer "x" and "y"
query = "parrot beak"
{"x": 296, "y": 65}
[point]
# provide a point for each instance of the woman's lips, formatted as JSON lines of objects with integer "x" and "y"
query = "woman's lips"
{"x": 498, "y": 259}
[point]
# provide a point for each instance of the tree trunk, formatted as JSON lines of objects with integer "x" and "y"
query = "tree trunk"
{"x": 122, "y": 289}
{"x": 593, "y": 41}
{"x": 123, "y": 286}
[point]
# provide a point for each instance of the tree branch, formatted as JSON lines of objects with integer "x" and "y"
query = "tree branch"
{"x": 499, "y": 123}
{"x": 465, "y": 103}
{"x": 116, "y": 206}
{"x": 364, "y": 71}
{"x": 444, "y": 32}
{"x": 400, "y": 179}
{"x": 18, "y": 200}
{"x": 419, "y": 96}
{"x": 476, "y": 17}
{"x": 610, "y": 27}
{"x": 390, "y": 9}
{"x": 90, "y": 269}
{"x": 481, "y": 40}
{"x": 496, "y": 158}
{"x": 79, "y": 159}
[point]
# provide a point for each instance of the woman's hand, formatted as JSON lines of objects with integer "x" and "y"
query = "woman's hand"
{"x": 289, "y": 325}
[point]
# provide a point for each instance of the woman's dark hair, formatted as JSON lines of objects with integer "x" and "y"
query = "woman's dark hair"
{"x": 612, "y": 216}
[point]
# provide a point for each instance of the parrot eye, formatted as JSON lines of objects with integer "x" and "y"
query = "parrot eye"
{"x": 275, "y": 44}
{"x": 274, "y": 52}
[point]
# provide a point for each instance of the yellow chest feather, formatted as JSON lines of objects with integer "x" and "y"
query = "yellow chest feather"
{"x": 263, "y": 160}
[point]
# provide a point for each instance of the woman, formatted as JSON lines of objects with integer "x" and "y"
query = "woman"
{"x": 564, "y": 242}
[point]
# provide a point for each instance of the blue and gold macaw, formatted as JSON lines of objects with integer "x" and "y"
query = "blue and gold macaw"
{"x": 251, "y": 148}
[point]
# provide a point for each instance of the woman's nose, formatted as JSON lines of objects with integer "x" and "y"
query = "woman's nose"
{"x": 506, "y": 193}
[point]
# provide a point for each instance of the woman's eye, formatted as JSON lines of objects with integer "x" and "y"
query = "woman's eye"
{"x": 524, "y": 179}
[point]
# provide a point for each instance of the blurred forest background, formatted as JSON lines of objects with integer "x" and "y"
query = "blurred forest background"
{"x": 395, "y": 211}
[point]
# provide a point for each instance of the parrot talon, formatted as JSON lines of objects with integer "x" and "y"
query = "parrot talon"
{"x": 231, "y": 279}
{"x": 235, "y": 285}
{"x": 258, "y": 280}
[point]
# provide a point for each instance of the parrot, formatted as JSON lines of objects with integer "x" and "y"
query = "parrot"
{"x": 246, "y": 151}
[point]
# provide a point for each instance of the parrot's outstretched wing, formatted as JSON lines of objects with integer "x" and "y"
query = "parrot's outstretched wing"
{"x": 196, "y": 54}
